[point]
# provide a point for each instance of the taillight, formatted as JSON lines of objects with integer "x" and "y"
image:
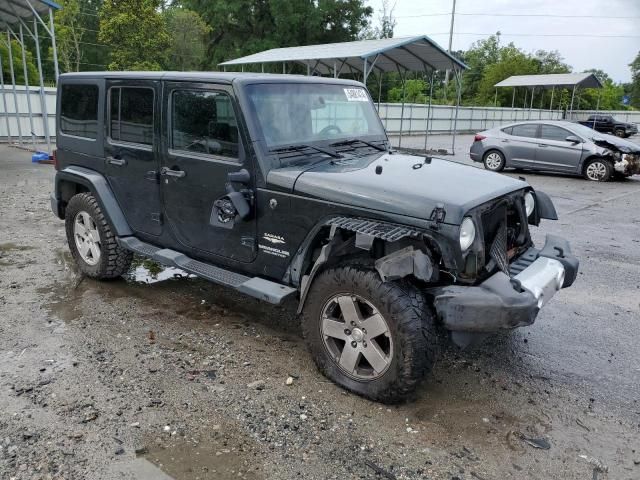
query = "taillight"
{"x": 478, "y": 137}
{"x": 54, "y": 157}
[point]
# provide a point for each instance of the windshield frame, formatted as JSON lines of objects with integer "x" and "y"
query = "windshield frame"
{"x": 256, "y": 128}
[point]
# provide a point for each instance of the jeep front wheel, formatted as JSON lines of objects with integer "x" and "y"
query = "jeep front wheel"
{"x": 91, "y": 241}
{"x": 377, "y": 339}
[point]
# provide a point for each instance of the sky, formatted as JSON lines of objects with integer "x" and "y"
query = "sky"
{"x": 585, "y": 32}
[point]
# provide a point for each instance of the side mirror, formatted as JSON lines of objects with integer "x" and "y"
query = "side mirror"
{"x": 573, "y": 139}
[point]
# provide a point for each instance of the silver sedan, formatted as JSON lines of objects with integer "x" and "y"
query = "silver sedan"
{"x": 556, "y": 146}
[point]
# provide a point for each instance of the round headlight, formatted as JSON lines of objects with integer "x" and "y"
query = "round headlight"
{"x": 529, "y": 203}
{"x": 467, "y": 233}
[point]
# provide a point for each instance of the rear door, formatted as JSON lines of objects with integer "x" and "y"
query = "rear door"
{"x": 132, "y": 151}
{"x": 520, "y": 144}
{"x": 203, "y": 145}
{"x": 554, "y": 152}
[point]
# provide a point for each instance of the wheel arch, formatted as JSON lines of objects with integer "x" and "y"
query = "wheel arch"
{"x": 408, "y": 252}
{"x": 73, "y": 180}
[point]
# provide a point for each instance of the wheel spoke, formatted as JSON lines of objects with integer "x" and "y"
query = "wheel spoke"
{"x": 95, "y": 234}
{"x": 80, "y": 229}
{"x": 332, "y": 328}
{"x": 376, "y": 358}
{"x": 83, "y": 249}
{"x": 95, "y": 251}
{"x": 374, "y": 325}
{"x": 350, "y": 311}
{"x": 349, "y": 358}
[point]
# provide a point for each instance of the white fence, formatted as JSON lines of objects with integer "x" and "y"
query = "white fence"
{"x": 473, "y": 119}
{"x": 413, "y": 119}
{"x": 9, "y": 116}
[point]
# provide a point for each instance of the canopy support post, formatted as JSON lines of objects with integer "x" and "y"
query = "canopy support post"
{"x": 4, "y": 101}
{"x": 541, "y": 104}
{"x": 533, "y": 92}
{"x": 573, "y": 94}
{"x": 428, "y": 119}
{"x": 379, "y": 89}
{"x": 403, "y": 79}
{"x": 43, "y": 99}
{"x": 364, "y": 72}
{"x": 13, "y": 88}
{"x": 53, "y": 45}
{"x": 597, "y": 108}
{"x": 495, "y": 99}
{"x": 458, "y": 77}
{"x": 27, "y": 87}
{"x": 553, "y": 89}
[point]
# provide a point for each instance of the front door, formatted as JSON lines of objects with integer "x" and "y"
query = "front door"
{"x": 131, "y": 152}
{"x": 203, "y": 146}
{"x": 555, "y": 152}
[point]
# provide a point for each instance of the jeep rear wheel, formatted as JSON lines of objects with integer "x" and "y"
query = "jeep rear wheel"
{"x": 377, "y": 339}
{"x": 91, "y": 241}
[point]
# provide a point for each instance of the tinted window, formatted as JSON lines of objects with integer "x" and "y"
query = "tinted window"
{"x": 79, "y": 110}
{"x": 525, "y": 130}
{"x": 203, "y": 122}
{"x": 550, "y": 132}
{"x": 131, "y": 118}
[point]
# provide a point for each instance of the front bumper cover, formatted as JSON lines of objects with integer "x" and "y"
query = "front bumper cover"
{"x": 506, "y": 302}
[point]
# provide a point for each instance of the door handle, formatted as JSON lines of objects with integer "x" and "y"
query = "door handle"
{"x": 119, "y": 162}
{"x": 505, "y": 141}
{"x": 542, "y": 145}
{"x": 169, "y": 172}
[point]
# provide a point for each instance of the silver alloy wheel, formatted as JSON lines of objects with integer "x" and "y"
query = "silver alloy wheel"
{"x": 87, "y": 237}
{"x": 493, "y": 161}
{"x": 356, "y": 336}
{"x": 596, "y": 171}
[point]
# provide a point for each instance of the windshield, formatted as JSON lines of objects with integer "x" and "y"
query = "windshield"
{"x": 293, "y": 113}
{"x": 585, "y": 131}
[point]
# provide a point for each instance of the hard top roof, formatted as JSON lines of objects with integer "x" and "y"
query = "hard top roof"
{"x": 219, "y": 77}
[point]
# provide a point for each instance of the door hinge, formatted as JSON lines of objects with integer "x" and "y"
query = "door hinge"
{"x": 156, "y": 217}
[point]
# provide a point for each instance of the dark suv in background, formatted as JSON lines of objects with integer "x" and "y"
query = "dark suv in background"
{"x": 285, "y": 187}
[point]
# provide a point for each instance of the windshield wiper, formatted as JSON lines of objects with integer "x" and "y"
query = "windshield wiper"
{"x": 293, "y": 148}
{"x": 351, "y": 141}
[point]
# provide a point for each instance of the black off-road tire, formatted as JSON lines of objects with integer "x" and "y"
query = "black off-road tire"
{"x": 114, "y": 260}
{"x": 608, "y": 170}
{"x": 411, "y": 325}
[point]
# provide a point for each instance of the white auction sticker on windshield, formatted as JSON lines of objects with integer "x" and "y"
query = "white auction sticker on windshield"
{"x": 356, "y": 95}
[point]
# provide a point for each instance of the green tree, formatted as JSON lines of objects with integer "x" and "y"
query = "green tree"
{"x": 242, "y": 27}
{"x": 18, "y": 71}
{"x": 188, "y": 35}
{"x": 414, "y": 92}
{"x": 634, "y": 90}
{"x": 69, "y": 34}
{"x": 136, "y": 32}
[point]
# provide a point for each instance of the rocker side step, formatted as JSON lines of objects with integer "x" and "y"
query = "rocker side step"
{"x": 260, "y": 288}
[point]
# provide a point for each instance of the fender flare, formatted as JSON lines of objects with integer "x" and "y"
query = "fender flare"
{"x": 100, "y": 188}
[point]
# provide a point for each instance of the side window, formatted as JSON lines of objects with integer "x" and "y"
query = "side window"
{"x": 525, "y": 130}
{"x": 203, "y": 122}
{"x": 508, "y": 130}
{"x": 79, "y": 110}
{"x": 551, "y": 132}
{"x": 131, "y": 115}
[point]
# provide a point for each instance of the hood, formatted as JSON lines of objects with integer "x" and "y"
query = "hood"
{"x": 616, "y": 143}
{"x": 406, "y": 185}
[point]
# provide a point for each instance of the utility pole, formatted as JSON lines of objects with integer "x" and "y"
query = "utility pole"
{"x": 453, "y": 16}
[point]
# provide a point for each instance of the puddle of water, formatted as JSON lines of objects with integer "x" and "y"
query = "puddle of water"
{"x": 144, "y": 270}
{"x": 215, "y": 459}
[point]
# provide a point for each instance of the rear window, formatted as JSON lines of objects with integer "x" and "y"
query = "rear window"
{"x": 526, "y": 130}
{"x": 131, "y": 115}
{"x": 79, "y": 110}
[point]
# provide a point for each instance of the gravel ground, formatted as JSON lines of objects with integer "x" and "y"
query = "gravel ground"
{"x": 158, "y": 376}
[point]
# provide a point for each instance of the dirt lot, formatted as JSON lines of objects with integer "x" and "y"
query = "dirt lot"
{"x": 154, "y": 376}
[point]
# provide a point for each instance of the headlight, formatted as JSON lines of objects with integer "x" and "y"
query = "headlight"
{"x": 467, "y": 233}
{"x": 529, "y": 203}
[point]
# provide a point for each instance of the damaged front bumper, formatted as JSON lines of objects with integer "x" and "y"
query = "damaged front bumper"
{"x": 628, "y": 165}
{"x": 508, "y": 301}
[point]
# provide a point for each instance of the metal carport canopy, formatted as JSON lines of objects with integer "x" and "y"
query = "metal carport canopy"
{"x": 384, "y": 55}
{"x": 11, "y": 11}
{"x": 559, "y": 80}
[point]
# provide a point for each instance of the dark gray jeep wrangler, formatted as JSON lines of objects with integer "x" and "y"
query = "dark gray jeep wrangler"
{"x": 286, "y": 186}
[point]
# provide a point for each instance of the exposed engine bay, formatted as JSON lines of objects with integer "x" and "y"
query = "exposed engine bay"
{"x": 626, "y": 159}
